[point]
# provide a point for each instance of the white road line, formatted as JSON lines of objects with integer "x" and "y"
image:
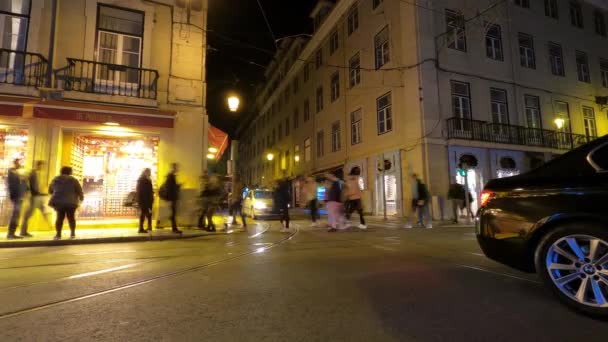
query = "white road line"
{"x": 500, "y": 274}
{"x": 477, "y": 254}
{"x": 107, "y": 270}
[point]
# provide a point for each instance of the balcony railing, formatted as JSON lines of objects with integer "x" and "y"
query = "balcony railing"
{"x": 22, "y": 68}
{"x": 512, "y": 134}
{"x": 111, "y": 79}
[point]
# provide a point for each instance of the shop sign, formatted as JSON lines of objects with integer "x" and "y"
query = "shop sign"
{"x": 78, "y": 114}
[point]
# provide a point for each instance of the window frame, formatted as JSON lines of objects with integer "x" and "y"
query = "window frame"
{"x": 551, "y": 9}
{"x": 306, "y": 110}
{"x": 582, "y": 67}
{"x": 354, "y": 70}
{"x": 336, "y": 136}
{"x": 319, "y": 97}
{"x": 384, "y": 114}
{"x": 500, "y": 104}
{"x": 533, "y": 109}
{"x": 356, "y": 127}
{"x": 319, "y": 58}
{"x": 494, "y": 49}
{"x": 382, "y": 49}
{"x": 522, "y": 3}
{"x": 461, "y": 97}
{"x": 589, "y": 121}
{"x": 353, "y": 19}
{"x": 576, "y": 14}
{"x": 334, "y": 42}
{"x": 320, "y": 143}
{"x": 557, "y": 69}
{"x": 376, "y": 3}
{"x": 307, "y": 149}
{"x": 530, "y": 61}
{"x": 334, "y": 82}
{"x": 604, "y": 72}
{"x": 599, "y": 22}
{"x": 457, "y": 31}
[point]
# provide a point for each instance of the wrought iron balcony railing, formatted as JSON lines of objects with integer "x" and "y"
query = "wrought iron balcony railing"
{"x": 511, "y": 134}
{"x": 112, "y": 79}
{"x": 22, "y": 68}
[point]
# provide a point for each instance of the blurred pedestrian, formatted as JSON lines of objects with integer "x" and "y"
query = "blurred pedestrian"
{"x": 420, "y": 203}
{"x": 353, "y": 196}
{"x": 211, "y": 196}
{"x": 310, "y": 195}
{"x": 456, "y": 195}
{"x": 37, "y": 199}
{"x": 66, "y": 196}
{"x": 17, "y": 188}
{"x": 283, "y": 198}
{"x": 145, "y": 199}
{"x": 169, "y": 192}
{"x": 335, "y": 207}
{"x": 236, "y": 201}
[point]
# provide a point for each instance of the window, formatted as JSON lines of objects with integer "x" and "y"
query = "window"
{"x": 589, "y": 120}
{"x": 381, "y": 47}
{"x": 604, "y": 72}
{"x": 335, "y": 86}
{"x": 119, "y": 39}
{"x": 562, "y": 111}
{"x": 582, "y": 67}
{"x": 319, "y": 99}
{"x": 385, "y": 114}
{"x": 557, "y": 59}
{"x": 353, "y": 19}
{"x": 600, "y": 22}
{"x": 551, "y": 9}
{"x": 296, "y": 153}
{"x": 296, "y": 119}
{"x": 498, "y": 104}
{"x": 456, "y": 34}
{"x": 14, "y": 17}
{"x": 306, "y": 72}
{"x": 461, "y": 100}
{"x": 523, "y": 3}
{"x": 307, "y": 148}
{"x": 296, "y": 85}
{"x": 376, "y": 3}
{"x": 320, "y": 144}
{"x": 335, "y": 136}
{"x": 494, "y": 42}
{"x": 354, "y": 70}
{"x": 319, "y": 58}
{"x": 533, "y": 118}
{"x": 306, "y": 110}
{"x": 355, "y": 127}
{"x": 287, "y": 127}
{"x": 334, "y": 42}
{"x": 527, "y": 58}
{"x": 576, "y": 14}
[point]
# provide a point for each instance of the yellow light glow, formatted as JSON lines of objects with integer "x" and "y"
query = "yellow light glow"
{"x": 559, "y": 123}
{"x": 213, "y": 149}
{"x": 297, "y": 158}
{"x": 270, "y": 156}
{"x": 233, "y": 103}
{"x": 210, "y": 156}
{"x": 111, "y": 124}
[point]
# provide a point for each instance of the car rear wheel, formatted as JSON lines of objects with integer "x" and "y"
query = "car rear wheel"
{"x": 573, "y": 261}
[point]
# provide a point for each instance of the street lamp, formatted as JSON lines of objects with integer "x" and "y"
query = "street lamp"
{"x": 212, "y": 149}
{"x": 210, "y": 156}
{"x": 233, "y": 103}
{"x": 297, "y": 158}
{"x": 270, "y": 156}
{"x": 559, "y": 123}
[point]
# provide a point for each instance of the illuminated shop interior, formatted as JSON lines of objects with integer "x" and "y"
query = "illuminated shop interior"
{"x": 13, "y": 145}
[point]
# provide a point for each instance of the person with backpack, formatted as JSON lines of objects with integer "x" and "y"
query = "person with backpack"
{"x": 66, "y": 196}
{"x": 169, "y": 192}
{"x": 420, "y": 203}
{"x": 145, "y": 199}
{"x": 37, "y": 199}
{"x": 17, "y": 189}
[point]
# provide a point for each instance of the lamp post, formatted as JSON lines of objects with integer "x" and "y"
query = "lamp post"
{"x": 233, "y": 103}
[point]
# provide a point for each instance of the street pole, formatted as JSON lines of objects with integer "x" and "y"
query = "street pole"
{"x": 383, "y": 187}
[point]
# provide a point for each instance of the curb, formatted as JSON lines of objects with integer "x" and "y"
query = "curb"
{"x": 119, "y": 239}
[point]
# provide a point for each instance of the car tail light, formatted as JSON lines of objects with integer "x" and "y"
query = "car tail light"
{"x": 486, "y": 197}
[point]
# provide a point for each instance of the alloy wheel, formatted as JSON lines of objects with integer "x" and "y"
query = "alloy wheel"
{"x": 578, "y": 267}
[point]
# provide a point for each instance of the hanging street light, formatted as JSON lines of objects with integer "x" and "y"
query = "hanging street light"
{"x": 270, "y": 156}
{"x": 233, "y": 103}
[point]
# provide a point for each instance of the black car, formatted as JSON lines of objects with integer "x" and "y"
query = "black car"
{"x": 554, "y": 221}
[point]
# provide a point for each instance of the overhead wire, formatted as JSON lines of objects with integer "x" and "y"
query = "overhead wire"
{"x": 274, "y": 38}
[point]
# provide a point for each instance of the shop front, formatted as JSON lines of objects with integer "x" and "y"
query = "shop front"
{"x": 388, "y": 196}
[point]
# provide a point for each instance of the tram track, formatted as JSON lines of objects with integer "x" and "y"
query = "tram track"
{"x": 148, "y": 280}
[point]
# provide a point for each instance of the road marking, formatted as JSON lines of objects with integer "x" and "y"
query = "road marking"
{"x": 477, "y": 254}
{"x": 107, "y": 270}
{"x": 499, "y": 273}
{"x": 106, "y": 252}
{"x": 266, "y": 226}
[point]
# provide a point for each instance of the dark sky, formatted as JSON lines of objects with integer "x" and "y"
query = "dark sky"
{"x": 228, "y": 64}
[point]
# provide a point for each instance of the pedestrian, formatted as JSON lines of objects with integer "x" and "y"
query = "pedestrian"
{"x": 170, "y": 192}
{"x": 145, "y": 199}
{"x": 236, "y": 201}
{"x": 456, "y": 195}
{"x": 66, "y": 196}
{"x": 335, "y": 207}
{"x": 17, "y": 188}
{"x": 37, "y": 199}
{"x": 211, "y": 196}
{"x": 310, "y": 195}
{"x": 420, "y": 203}
{"x": 353, "y": 196}
{"x": 283, "y": 198}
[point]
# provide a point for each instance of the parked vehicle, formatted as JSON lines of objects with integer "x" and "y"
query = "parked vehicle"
{"x": 258, "y": 202}
{"x": 554, "y": 221}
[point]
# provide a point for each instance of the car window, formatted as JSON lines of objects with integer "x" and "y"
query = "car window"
{"x": 571, "y": 164}
{"x": 263, "y": 194}
{"x": 599, "y": 157}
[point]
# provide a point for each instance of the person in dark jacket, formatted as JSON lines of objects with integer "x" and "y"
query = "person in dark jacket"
{"x": 37, "y": 199}
{"x": 456, "y": 195}
{"x": 172, "y": 188}
{"x": 282, "y": 198}
{"x": 211, "y": 197}
{"x": 335, "y": 205}
{"x": 145, "y": 199}
{"x": 66, "y": 195}
{"x": 16, "y": 191}
{"x": 236, "y": 201}
{"x": 420, "y": 203}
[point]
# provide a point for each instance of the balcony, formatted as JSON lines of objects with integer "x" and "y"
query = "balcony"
{"x": 511, "y": 134}
{"x": 22, "y": 68}
{"x": 109, "y": 79}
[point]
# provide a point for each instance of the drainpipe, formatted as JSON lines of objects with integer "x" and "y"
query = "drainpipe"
{"x": 51, "y": 56}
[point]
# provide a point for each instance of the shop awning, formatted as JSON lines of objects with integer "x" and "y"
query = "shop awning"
{"x": 13, "y": 106}
{"x": 128, "y": 116}
{"x": 217, "y": 141}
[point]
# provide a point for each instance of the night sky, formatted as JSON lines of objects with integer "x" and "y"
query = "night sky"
{"x": 229, "y": 65}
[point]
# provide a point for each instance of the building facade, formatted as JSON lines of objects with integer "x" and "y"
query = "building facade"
{"x": 398, "y": 88}
{"x": 108, "y": 87}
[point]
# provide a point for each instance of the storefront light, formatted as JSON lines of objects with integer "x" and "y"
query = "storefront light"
{"x": 213, "y": 149}
{"x": 210, "y": 156}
